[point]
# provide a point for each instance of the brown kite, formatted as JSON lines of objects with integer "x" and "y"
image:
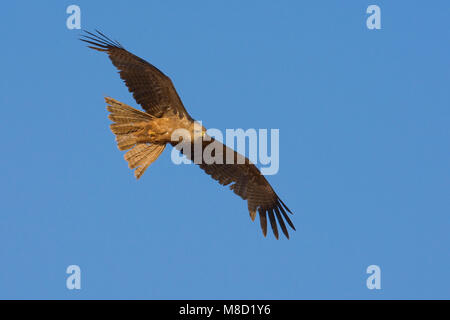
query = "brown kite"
{"x": 147, "y": 133}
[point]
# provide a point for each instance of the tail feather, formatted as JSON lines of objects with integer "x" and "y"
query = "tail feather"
{"x": 126, "y": 112}
{"x": 128, "y": 121}
{"x": 137, "y": 154}
{"x": 124, "y": 128}
{"x": 121, "y": 109}
{"x": 125, "y": 141}
{"x": 141, "y": 156}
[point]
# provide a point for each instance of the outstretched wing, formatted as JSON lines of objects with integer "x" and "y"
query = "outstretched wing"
{"x": 151, "y": 88}
{"x": 245, "y": 180}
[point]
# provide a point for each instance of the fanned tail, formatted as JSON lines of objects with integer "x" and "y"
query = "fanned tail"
{"x": 127, "y": 122}
{"x": 143, "y": 155}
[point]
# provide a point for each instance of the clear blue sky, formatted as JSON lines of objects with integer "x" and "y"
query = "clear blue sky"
{"x": 364, "y": 156}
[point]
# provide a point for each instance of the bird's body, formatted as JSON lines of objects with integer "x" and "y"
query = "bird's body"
{"x": 153, "y": 130}
{"x": 146, "y": 134}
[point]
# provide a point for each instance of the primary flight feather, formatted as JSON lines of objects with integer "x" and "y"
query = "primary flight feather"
{"x": 146, "y": 134}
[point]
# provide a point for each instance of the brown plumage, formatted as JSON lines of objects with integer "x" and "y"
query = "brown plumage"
{"x": 147, "y": 133}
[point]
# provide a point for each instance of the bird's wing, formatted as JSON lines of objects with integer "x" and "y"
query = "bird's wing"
{"x": 246, "y": 181}
{"x": 151, "y": 88}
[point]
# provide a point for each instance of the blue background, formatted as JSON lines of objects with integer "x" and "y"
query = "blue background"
{"x": 364, "y": 154}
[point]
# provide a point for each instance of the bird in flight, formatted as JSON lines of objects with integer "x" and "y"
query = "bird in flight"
{"x": 146, "y": 134}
